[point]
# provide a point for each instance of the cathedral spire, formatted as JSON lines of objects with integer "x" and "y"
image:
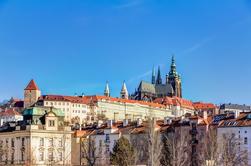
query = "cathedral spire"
{"x": 173, "y": 71}
{"x": 174, "y": 79}
{"x": 124, "y": 92}
{"x": 107, "y": 90}
{"x": 153, "y": 76}
{"x": 159, "y": 79}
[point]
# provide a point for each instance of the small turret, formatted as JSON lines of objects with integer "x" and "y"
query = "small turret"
{"x": 107, "y": 90}
{"x": 31, "y": 94}
{"x": 124, "y": 92}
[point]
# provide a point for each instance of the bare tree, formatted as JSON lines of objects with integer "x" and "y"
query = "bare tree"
{"x": 88, "y": 151}
{"x": 154, "y": 143}
{"x": 176, "y": 150}
{"x": 208, "y": 149}
{"x": 231, "y": 154}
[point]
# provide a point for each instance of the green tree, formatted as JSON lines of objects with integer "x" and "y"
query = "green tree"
{"x": 123, "y": 153}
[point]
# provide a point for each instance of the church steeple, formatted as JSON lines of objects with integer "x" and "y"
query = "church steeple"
{"x": 159, "y": 79}
{"x": 153, "y": 76}
{"x": 124, "y": 92}
{"x": 107, "y": 90}
{"x": 174, "y": 79}
{"x": 173, "y": 71}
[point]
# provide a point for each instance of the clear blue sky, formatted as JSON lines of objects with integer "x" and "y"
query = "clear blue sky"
{"x": 75, "y": 46}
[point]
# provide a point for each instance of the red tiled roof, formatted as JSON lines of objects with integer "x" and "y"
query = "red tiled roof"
{"x": 176, "y": 101}
{"x": 95, "y": 99}
{"x": 32, "y": 86}
{"x": 10, "y": 112}
{"x": 201, "y": 106}
{"x": 73, "y": 99}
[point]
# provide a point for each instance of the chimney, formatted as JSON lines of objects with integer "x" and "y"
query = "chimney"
{"x": 204, "y": 114}
{"x": 125, "y": 122}
{"x": 236, "y": 114}
{"x": 109, "y": 123}
{"x": 100, "y": 122}
{"x": 139, "y": 121}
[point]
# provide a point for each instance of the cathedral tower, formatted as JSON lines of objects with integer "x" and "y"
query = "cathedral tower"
{"x": 107, "y": 90}
{"x": 124, "y": 92}
{"x": 31, "y": 94}
{"x": 174, "y": 79}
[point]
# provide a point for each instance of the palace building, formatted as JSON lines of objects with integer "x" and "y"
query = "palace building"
{"x": 157, "y": 88}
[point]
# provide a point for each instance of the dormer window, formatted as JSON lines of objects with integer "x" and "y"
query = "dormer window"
{"x": 51, "y": 123}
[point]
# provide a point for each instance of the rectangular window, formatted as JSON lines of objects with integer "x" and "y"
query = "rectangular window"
{"x": 50, "y": 141}
{"x": 60, "y": 142}
{"x": 51, "y": 123}
{"x": 245, "y": 140}
{"x": 41, "y": 141}
{"x": 41, "y": 156}
{"x": 50, "y": 156}
{"x": 23, "y": 141}
{"x": 22, "y": 155}
{"x": 12, "y": 143}
{"x": 12, "y": 158}
{"x": 60, "y": 156}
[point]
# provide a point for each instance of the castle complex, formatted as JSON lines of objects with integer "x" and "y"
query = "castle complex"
{"x": 156, "y": 89}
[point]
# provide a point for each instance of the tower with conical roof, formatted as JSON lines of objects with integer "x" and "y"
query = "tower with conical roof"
{"x": 31, "y": 94}
{"x": 124, "y": 92}
{"x": 174, "y": 79}
{"x": 159, "y": 79}
{"x": 107, "y": 90}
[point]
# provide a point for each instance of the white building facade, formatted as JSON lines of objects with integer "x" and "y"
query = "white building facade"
{"x": 36, "y": 144}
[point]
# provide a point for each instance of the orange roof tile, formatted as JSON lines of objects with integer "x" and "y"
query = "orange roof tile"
{"x": 200, "y": 106}
{"x": 32, "y": 86}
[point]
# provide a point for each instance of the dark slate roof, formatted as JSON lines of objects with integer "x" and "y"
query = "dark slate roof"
{"x": 146, "y": 87}
{"x": 164, "y": 89}
{"x": 235, "y": 106}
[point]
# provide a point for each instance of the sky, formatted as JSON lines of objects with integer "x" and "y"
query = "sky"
{"x": 76, "y": 46}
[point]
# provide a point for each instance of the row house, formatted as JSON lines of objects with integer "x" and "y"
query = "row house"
{"x": 137, "y": 132}
{"x": 239, "y": 129}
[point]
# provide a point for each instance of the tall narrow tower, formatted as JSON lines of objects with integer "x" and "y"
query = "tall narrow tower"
{"x": 175, "y": 79}
{"x": 31, "y": 94}
{"x": 124, "y": 92}
{"x": 159, "y": 79}
{"x": 107, "y": 90}
{"x": 153, "y": 76}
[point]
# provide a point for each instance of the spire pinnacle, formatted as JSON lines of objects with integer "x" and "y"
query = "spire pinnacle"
{"x": 107, "y": 90}
{"x": 173, "y": 71}
{"x": 124, "y": 92}
{"x": 159, "y": 79}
